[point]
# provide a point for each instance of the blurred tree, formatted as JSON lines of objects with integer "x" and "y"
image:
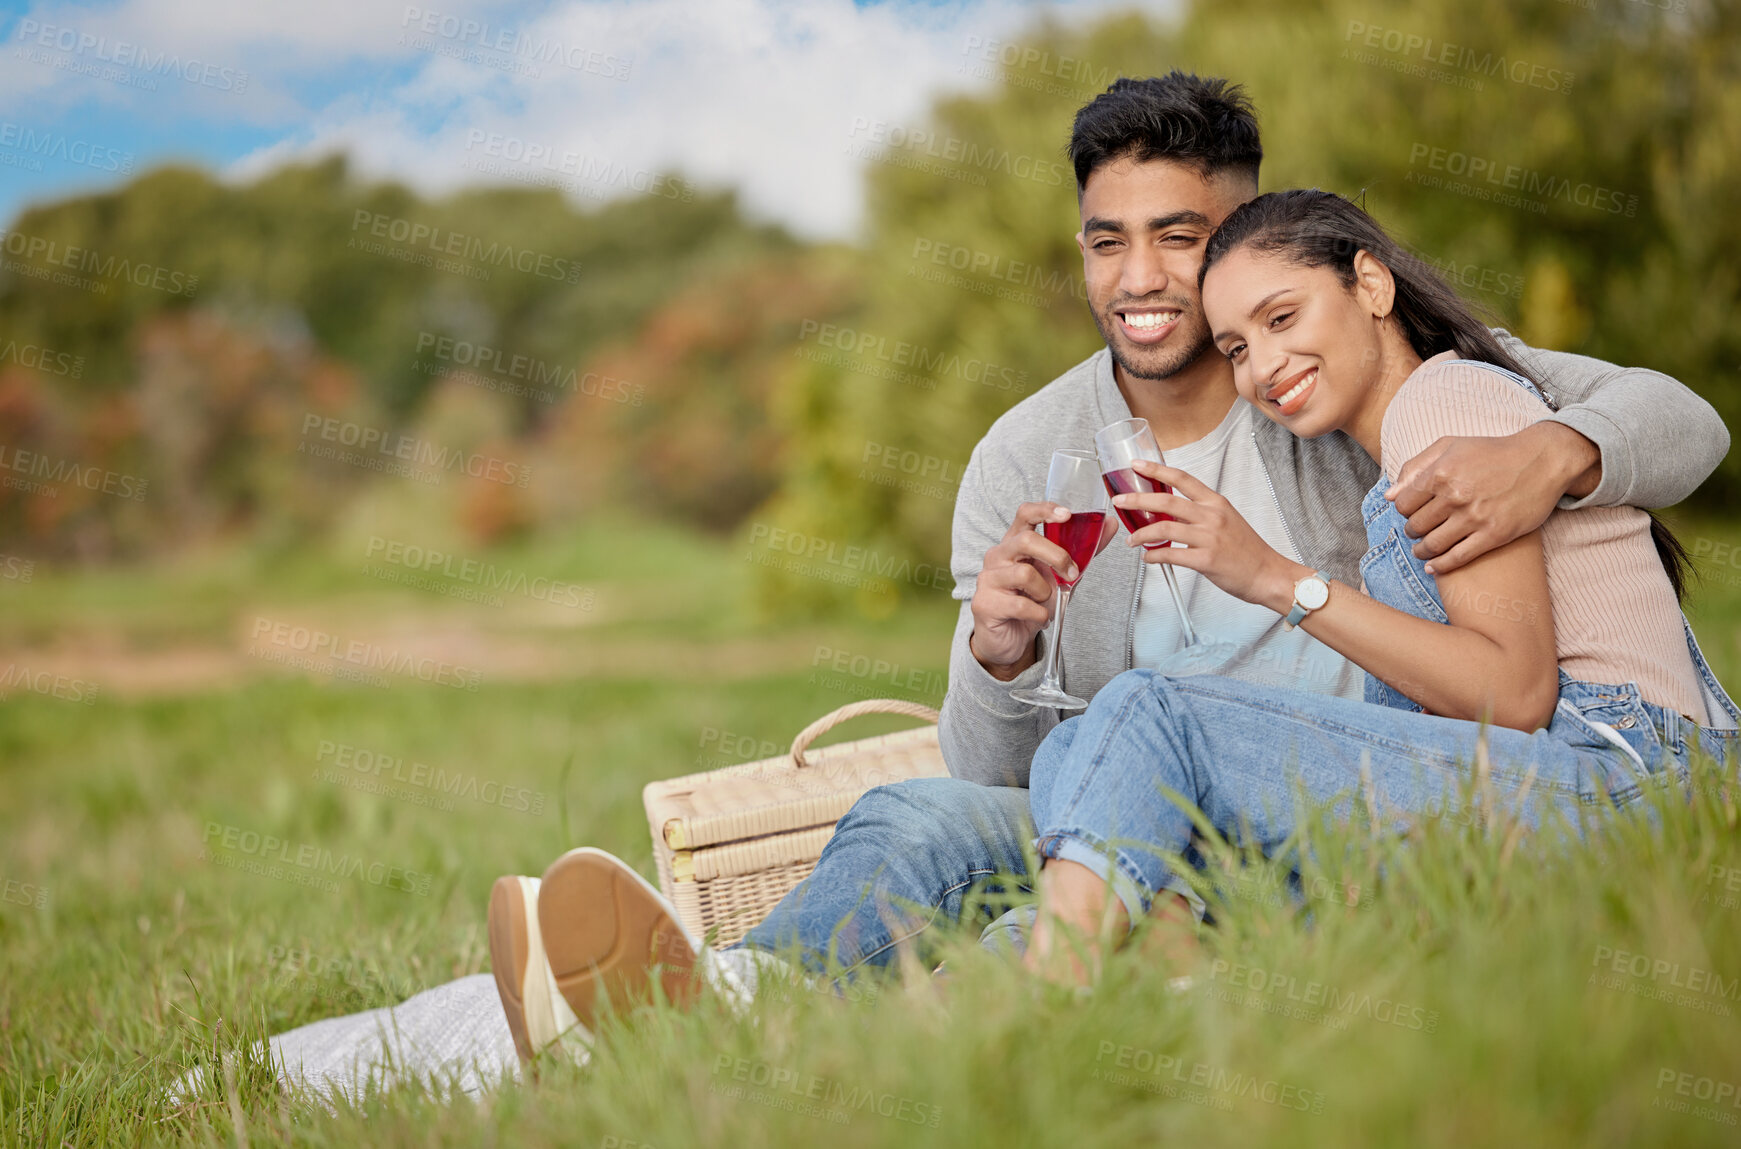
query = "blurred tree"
{"x": 674, "y": 419}
{"x": 207, "y": 319}
{"x": 220, "y": 412}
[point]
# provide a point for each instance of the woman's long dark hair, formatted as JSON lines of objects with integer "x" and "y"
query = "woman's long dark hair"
{"x": 1313, "y": 228}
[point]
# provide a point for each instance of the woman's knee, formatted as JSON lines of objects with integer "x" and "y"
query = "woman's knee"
{"x": 1116, "y": 694}
{"x": 1053, "y": 748}
{"x": 1126, "y": 683}
{"x": 1128, "y": 742}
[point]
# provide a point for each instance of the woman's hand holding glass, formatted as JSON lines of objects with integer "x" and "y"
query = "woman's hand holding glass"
{"x": 1218, "y": 543}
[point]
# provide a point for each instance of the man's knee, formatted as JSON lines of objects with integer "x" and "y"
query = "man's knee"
{"x": 920, "y": 799}
{"x": 928, "y": 808}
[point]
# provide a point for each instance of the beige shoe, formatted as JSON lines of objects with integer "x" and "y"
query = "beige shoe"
{"x": 537, "y": 1016}
{"x": 608, "y": 936}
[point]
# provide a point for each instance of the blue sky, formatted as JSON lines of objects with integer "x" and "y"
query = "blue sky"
{"x": 766, "y": 95}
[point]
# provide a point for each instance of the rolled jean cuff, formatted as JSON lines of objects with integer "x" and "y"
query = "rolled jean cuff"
{"x": 1183, "y": 889}
{"x": 1111, "y": 867}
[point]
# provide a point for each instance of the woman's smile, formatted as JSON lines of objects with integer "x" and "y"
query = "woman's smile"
{"x": 1291, "y": 393}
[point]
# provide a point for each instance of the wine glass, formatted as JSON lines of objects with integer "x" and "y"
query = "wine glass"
{"x": 1120, "y": 445}
{"x": 1073, "y": 482}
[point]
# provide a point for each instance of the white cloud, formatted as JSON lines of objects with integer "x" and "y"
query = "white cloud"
{"x": 757, "y": 94}
{"x": 125, "y": 55}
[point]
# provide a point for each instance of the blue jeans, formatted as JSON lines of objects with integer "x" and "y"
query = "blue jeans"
{"x": 904, "y": 857}
{"x": 1237, "y": 752}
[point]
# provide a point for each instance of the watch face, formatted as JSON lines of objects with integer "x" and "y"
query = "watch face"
{"x": 1312, "y": 593}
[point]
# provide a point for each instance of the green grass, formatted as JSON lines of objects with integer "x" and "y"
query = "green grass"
{"x": 143, "y": 958}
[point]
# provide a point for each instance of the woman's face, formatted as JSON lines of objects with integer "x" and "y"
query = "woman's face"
{"x": 1304, "y": 348}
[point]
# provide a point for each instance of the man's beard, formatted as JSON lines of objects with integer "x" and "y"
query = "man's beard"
{"x": 1157, "y": 362}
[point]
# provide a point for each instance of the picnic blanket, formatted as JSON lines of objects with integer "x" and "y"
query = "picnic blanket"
{"x": 451, "y": 1037}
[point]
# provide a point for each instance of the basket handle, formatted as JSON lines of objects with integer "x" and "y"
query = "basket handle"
{"x": 852, "y": 710}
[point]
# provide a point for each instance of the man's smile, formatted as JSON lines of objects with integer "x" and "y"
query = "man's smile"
{"x": 1148, "y": 324}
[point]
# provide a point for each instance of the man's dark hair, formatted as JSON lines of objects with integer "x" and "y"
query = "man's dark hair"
{"x": 1205, "y": 122}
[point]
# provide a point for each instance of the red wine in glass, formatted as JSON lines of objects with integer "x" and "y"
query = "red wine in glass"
{"x": 1120, "y": 446}
{"x": 1072, "y": 481}
{"x": 1079, "y": 535}
{"x": 1125, "y": 481}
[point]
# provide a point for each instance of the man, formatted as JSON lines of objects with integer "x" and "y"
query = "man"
{"x": 1159, "y": 163}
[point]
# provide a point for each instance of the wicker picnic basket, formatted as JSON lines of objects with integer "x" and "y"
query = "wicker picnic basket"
{"x": 730, "y": 843}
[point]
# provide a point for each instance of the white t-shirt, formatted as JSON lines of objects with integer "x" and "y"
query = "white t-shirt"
{"x": 1226, "y": 460}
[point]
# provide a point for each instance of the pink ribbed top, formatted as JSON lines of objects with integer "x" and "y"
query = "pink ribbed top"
{"x": 1615, "y": 615}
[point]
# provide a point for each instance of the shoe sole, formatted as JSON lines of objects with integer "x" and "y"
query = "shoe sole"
{"x": 513, "y": 933}
{"x": 610, "y": 937}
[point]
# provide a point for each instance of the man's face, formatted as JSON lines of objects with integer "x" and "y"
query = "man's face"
{"x": 1143, "y": 230}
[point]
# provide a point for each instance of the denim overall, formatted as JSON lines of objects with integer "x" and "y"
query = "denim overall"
{"x": 1653, "y": 737}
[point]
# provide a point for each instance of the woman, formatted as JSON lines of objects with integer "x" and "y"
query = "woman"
{"x": 1565, "y": 650}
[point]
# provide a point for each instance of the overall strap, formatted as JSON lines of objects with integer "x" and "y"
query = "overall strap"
{"x": 1511, "y": 375}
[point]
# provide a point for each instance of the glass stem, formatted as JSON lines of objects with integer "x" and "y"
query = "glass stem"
{"x": 1055, "y": 636}
{"x": 1185, "y": 626}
